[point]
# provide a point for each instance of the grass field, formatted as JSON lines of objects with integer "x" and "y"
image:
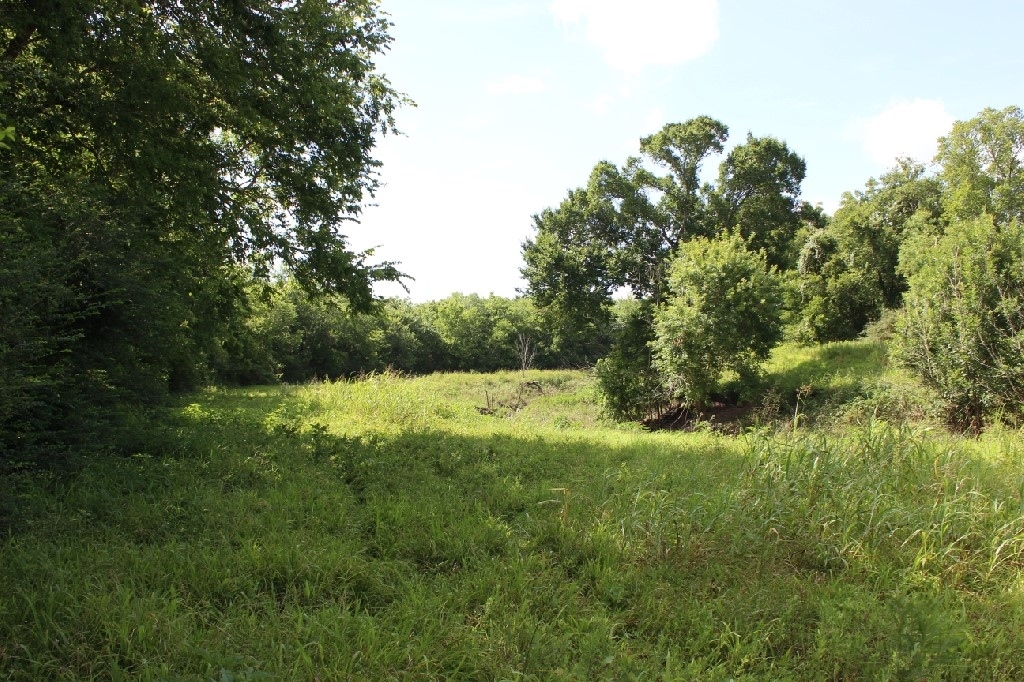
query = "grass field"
{"x": 388, "y": 528}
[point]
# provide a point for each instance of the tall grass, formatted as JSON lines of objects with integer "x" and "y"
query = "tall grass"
{"x": 387, "y": 528}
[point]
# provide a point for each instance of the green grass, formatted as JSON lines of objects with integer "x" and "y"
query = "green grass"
{"x": 387, "y": 529}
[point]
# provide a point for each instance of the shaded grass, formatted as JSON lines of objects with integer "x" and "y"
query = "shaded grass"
{"x": 845, "y": 382}
{"x": 385, "y": 529}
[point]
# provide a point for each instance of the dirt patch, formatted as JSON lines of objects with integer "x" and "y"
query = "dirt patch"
{"x": 720, "y": 416}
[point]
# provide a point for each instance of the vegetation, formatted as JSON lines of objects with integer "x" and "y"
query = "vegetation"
{"x": 164, "y": 155}
{"x": 946, "y": 242}
{"x": 291, "y": 335}
{"x": 627, "y": 226}
{"x": 387, "y": 528}
{"x": 632, "y": 389}
{"x": 725, "y": 315}
{"x": 175, "y": 183}
{"x": 963, "y": 323}
{"x": 848, "y": 269}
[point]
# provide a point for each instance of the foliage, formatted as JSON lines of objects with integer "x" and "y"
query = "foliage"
{"x": 622, "y": 231}
{"x": 725, "y": 314}
{"x": 631, "y": 387}
{"x": 961, "y": 329}
{"x": 32, "y": 364}
{"x": 623, "y": 228}
{"x": 161, "y": 147}
{"x": 963, "y": 324}
{"x": 465, "y": 326}
{"x": 758, "y": 196}
{"x": 982, "y": 163}
{"x": 568, "y": 270}
{"x": 284, "y": 333}
{"x": 848, "y": 269}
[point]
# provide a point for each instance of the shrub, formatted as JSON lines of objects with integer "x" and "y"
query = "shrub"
{"x": 839, "y": 295}
{"x": 725, "y": 313}
{"x": 962, "y": 327}
{"x": 630, "y": 385}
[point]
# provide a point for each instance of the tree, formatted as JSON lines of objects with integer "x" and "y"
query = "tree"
{"x": 983, "y": 166}
{"x": 848, "y": 269}
{"x": 464, "y": 326}
{"x": 570, "y": 272}
{"x": 758, "y": 194}
{"x": 626, "y": 226}
{"x": 725, "y": 314}
{"x": 963, "y": 319}
{"x": 621, "y": 230}
{"x": 161, "y": 145}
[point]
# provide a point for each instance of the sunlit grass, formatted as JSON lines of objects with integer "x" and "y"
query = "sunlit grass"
{"x": 391, "y": 528}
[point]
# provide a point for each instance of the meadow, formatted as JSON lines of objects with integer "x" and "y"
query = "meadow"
{"x": 498, "y": 527}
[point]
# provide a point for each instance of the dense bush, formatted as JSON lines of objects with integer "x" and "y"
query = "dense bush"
{"x": 962, "y": 327}
{"x": 725, "y": 313}
{"x": 847, "y": 269}
{"x": 839, "y": 296}
{"x": 631, "y": 387}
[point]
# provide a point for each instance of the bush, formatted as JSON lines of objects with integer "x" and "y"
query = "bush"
{"x": 631, "y": 387}
{"x": 725, "y": 314}
{"x": 838, "y": 295}
{"x": 848, "y": 269}
{"x": 962, "y": 327}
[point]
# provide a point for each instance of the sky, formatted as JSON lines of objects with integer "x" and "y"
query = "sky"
{"x": 517, "y": 100}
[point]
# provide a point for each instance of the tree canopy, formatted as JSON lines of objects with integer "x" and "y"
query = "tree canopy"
{"x": 623, "y": 227}
{"x": 982, "y": 163}
{"x": 630, "y": 223}
{"x": 160, "y": 150}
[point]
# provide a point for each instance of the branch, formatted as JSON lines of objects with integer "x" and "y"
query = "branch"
{"x": 18, "y": 44}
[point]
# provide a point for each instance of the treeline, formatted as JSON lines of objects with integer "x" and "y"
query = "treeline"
{"x": 285, "y": 334}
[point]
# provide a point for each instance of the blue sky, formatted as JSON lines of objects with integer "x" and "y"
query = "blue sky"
{"x": 517, "y": 100}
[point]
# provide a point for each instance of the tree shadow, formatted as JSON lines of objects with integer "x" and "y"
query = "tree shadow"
{"x": 489, "y": 539}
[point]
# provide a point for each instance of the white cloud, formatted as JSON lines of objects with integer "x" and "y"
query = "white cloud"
{"x": 644, "y": 32}
{"x": 904, "y": 128}
{"x": 516, "y": 85}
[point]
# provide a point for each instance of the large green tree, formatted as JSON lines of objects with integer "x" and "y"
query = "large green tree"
{"x": 982, "y": 163}
{"x": 628, "y": 224}
{"x": 159, "y": 146}
{"x": 624, "y": 227}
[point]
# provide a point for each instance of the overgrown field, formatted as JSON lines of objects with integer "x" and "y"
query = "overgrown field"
{"x": 475, "y": 526}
